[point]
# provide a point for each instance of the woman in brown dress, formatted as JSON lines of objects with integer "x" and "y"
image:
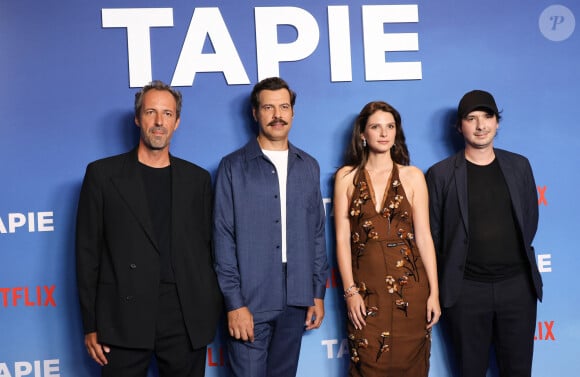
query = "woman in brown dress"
{"x": 384, "y": 250}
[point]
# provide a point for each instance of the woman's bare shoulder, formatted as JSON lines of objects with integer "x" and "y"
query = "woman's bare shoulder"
{"x": 345, "y": 173}
{"x": 410, "y": 172}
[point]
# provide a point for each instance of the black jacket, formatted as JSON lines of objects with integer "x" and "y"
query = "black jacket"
{"x": 447, "y": 184}
{"x": 117, "y": 259}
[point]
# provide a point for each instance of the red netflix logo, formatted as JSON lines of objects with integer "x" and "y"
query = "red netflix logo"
{"x": 544, "y": 331}
{"x": 542, "y": 195}
{"x": 215, "y": 357}
{"x": 332, "y": 281}
{"x": 28, "y": 296}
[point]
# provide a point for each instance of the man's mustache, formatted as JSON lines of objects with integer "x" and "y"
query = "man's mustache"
{"x": 278, "y": 121}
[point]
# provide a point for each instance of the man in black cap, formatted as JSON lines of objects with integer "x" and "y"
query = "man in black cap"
{"x": 484, "y": 215}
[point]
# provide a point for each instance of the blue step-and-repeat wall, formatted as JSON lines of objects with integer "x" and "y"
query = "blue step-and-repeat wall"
{"x": 69, "y": 70}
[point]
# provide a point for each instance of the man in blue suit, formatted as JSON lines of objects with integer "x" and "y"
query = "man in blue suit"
{"x": 270, "y": 253}
{"x": 484, "y": 216}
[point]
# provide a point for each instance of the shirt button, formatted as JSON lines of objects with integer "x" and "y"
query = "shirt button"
{"x": 133, "y": 266}
{"x": 277, "y": 221}
{"x": 273, "y": 171}
{"x": 129, "y": 298}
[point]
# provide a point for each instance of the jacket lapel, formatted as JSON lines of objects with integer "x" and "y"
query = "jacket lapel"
{"x": 179, "y": 207}
{"x": 130, "y": 187}
{"x": 509, "y": 176}
{"x": 461, "y": 187}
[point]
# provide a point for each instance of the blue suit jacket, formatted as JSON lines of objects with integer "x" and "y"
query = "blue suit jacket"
{"x": 247, "y": 231}
{"x": 448, "y": 206}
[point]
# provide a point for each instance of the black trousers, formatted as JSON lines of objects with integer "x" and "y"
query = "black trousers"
{"x": 502, "y": 314}
{"x": 173, "y": 351}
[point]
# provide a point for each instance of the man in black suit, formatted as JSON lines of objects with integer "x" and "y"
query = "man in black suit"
{"x": 143, "y": 252}
{"x": 484, "y": 216}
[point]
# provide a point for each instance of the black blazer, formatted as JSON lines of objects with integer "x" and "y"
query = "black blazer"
{"x": 117, "y": 257}
{"x": 447, "y": 184}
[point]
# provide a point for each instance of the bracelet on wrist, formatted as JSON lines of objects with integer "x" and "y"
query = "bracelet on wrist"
{"x": 351, "y": 292}
{"x": 349, "y": 289}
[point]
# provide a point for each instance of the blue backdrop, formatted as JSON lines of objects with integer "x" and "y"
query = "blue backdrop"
{"x": 70, "y": 68}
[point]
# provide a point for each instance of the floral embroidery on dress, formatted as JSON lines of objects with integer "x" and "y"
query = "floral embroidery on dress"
{"x": 355, "y": 344}
{"x": 408, "y": 266}
{"x": 383, "y": 345}
{"x": 357, "y": 203}
{"x": 369, "y": 227}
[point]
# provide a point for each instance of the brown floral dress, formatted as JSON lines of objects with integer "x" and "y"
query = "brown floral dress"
{"x": 391, "y": 277}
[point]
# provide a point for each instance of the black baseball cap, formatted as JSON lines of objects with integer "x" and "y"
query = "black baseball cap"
{"x": 476, "y": 99}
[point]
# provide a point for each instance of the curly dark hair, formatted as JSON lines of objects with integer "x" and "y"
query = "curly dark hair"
{"x": 271, "y": 83}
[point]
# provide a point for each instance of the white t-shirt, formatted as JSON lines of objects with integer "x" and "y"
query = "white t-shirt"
{"x": 280, "y": 161}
